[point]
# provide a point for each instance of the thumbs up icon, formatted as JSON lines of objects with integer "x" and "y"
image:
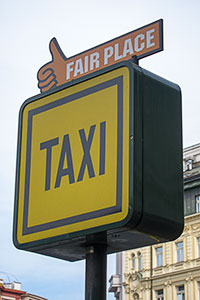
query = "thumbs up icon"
{"x": 54, "y": 71}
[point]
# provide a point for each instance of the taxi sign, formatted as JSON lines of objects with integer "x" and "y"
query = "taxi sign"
{"x": 86, "y": 165}
{"x": 74, "y": 153}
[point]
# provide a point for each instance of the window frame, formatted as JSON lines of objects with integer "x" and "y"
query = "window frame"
{"x": 197, "y": 203}
{"x": 198, "y": 246}
{"x": 180, "y": 292}
{"x": 159, "y": 256}
{"x": 179, "y": 252}
{"x": 198, "y": 288}
{"x": 159, "y": 296}
{"x": 133, "y": 261}
{"x": 139, "y": 255}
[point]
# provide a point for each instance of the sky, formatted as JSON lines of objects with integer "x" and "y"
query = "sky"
{"x": 26, "y": 28}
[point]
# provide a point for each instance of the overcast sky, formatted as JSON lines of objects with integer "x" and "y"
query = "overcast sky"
{"x": 26, "y": 29}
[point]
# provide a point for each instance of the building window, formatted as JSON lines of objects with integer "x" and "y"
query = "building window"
{"x": 197, "y": 200}
{"x": 159, "y": 256}
{"x": 198, "y": 283}
{"x": 159, "y": 295}
{"x": 198, "y": 246}
{"x": 180, "y": 251}
{"x": 133, "y": 261}
{"x": 189, "y": 164}
{"x": 180, "y": 292}
{"x": 139, "y": 261}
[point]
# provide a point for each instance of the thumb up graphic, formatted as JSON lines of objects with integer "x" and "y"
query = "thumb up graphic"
{"x": 54, "y": 71}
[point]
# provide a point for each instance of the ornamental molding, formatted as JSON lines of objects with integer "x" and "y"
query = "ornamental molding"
{"x": 192, "y": 217}
{"x": 126, "y": 287}
{"x": 189, "y": 279}
{"x": 195, "y": 226}
{"x": 187, "y": 228}
{"x": 168, "y": 283}
{"x": 135, "y": 296}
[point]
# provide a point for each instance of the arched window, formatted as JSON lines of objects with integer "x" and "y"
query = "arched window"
{"x": 133, "y": 261}
{"x": 139, "y": 261}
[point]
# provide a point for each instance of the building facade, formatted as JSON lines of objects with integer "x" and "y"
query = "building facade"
{"x": 12, "y": 291}
{"x": 169, "y": 271}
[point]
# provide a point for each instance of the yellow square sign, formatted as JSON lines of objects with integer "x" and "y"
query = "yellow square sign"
{"x": 73, "y": 159}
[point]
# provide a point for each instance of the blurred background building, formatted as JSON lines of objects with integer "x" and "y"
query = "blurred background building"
{"x": 169, "y": 271}
{"x": 12, "y": 291}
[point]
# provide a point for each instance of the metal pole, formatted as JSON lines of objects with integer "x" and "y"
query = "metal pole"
{"x": 96, "y": 272}
{"x": 151, "y": 273}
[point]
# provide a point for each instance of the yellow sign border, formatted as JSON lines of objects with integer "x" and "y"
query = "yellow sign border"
{"x": 24, "y": 236}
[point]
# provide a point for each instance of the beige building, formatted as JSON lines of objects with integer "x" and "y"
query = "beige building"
{"x": 169, "y": 271}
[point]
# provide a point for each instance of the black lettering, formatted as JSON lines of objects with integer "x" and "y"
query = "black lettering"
{"x": 65, "y": 151}
{"x": 86, "y": 144}
{"x": 102, "y": 148}
{"x": 48, "y": 145}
